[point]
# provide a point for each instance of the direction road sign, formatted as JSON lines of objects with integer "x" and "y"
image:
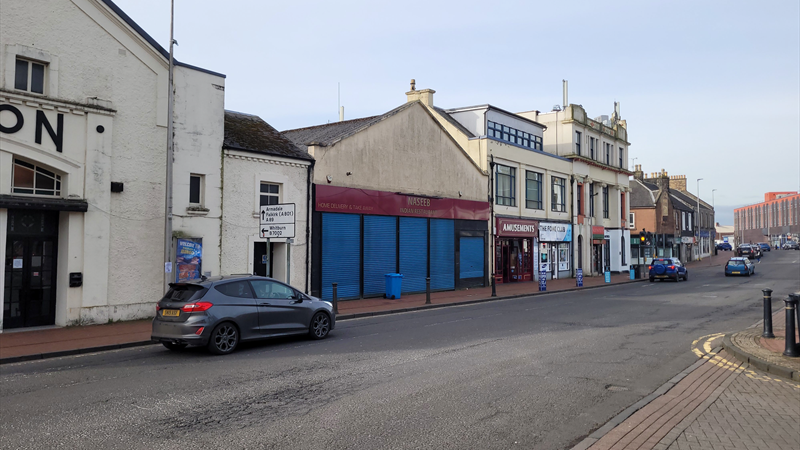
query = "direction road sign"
{"x": 277, "y": 231}
{"x": 277, "y": 221}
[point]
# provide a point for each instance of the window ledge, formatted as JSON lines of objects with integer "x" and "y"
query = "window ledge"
{"x": 197, "y": 211}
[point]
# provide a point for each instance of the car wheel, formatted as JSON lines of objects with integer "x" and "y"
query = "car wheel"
{"x": 175, "y": 347}
{"x": 651, "y": 280}
{"x": 224, "y": 339}
{"x": 320, "y": 326}
{"x": 686, "y": 276}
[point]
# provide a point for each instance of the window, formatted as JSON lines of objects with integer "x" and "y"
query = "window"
{"x": 580, "y": 199}
{"x": 533, "y": 190}
{"x": 622, "y": 205}
{"x": 591, "y": 147}
{"x": 239, "y": 289}
{"x": 605, "y": 202}
{"x": 195, "y": 189}
{"x": 272, "y": 289}
{"x": 505, "y": 185}
{"x": 632, "y": 221}
{"x": 608, "y": 154}
{"x": 29, "y": 76}
{"x": 591, "y": 199}
{"x": 559, "y": 202}
{"x": 270, "y": 194}
{"x": 621, "y": 158}
{"x": 31, "y": 179}
{"x": 578, "y": 143}
{"x": 513, "y": 136}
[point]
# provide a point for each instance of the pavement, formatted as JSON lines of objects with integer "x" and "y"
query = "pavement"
{"x": 46, "y": 342}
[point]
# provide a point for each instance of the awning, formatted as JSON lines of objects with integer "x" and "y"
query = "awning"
{"x": 43, "y": 203}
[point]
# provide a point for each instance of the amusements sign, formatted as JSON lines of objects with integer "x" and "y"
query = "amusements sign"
{"x": 189, "y": 260}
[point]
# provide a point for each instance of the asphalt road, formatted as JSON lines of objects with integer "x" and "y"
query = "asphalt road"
{"x": 539, "y": 372}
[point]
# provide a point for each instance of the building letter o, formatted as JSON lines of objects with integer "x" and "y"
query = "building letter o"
{"x": 18, "y": 125}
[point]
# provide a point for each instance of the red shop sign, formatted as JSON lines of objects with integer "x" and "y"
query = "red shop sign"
{"x": 516, "y": 227}
{"x": 365, "y": 201}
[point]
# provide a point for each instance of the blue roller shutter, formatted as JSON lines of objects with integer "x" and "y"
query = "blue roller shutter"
{"x": 413, "y": 253}
{"x": 471, "y": 257}
{"x": 341, "y": 255}
{"x": 442, "y": 254}
{"x": 380, "y": 252}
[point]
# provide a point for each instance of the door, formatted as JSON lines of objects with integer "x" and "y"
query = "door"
{"x": 380, "y": 252}
{"x": 280, "y": 310}
{"x": 29, "y": 297}
{"x": 506, "y": 262}
{"x": 554, "y": 260}
{"x": 262, "y": 259}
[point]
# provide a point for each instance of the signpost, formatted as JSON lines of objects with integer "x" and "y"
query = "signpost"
{"x": 579, "y": 277}
{"x": 277, "y": 221}
{"x": 543, "y": 280}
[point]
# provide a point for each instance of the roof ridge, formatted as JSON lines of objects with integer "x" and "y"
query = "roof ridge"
{"x": 330, "y": 124}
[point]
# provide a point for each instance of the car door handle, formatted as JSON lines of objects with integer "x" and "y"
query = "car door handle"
{"x": 263, "y": 304}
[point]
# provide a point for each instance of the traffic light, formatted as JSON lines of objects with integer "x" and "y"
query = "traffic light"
{"x": 641, "y": 237}
{"x": 649, "y": 238}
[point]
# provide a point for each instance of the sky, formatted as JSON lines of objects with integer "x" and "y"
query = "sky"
{"x": 709, "y": 89}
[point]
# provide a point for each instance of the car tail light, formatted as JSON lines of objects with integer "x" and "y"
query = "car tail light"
{"x": 158, "y": 308}
{"x": 671, "y": 267}
{"x": 199, "y": 331}
{"x": 196, "y": 307}
{"x": 649, "y": 267}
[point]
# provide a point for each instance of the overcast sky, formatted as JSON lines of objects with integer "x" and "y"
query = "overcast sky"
{"x": 710, "y": 89}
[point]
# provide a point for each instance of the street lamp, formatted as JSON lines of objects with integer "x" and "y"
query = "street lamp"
{"x": 714, "y": 216}
{"x": 697, "y": 219}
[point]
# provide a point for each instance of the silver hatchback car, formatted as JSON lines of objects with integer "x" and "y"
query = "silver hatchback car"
{"x": 220, "y": 312}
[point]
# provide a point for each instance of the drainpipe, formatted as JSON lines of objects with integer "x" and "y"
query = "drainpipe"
{"x": 573, "y": 221}
{"x": 309, "y": 173}
{"x": 491, "y": 224}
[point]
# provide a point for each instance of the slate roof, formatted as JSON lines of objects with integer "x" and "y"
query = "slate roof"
{"x": 333, "y": 132}
{"x": 641, "y": 195}
{"x": 251, "y": 133}
{"x": 680, "y": 201}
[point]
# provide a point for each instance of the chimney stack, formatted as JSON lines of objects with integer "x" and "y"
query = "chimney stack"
{"x": 425, "y": 96}
{"x": 678, "y": 182}
{"x": 637, "y": 172}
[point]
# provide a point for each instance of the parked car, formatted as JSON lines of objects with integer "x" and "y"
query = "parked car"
{"x": 791, "y": 245}
{"x": 746, "y": 250}
{"x": 724, "y": 246}
{"x": 667, "y": 268}
{"x": 221, "y": 312}
{"x": 765, "y": 247}
{"x": 740, "y": 266}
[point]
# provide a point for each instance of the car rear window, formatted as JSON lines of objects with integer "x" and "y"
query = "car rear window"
{"x": 662, "y": 261}
{"x": 184, "y": 292}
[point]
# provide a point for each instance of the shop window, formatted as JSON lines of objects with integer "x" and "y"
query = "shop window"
{"x": 31, "y": 179}
{"x": 270, "y": 194}
{"x": 559, "y": 202}
{"x": 29, "y": 76}
{"x": 505, "y": 185}
{"x": 196, "y": 189}
{"x": 533, "y": 190}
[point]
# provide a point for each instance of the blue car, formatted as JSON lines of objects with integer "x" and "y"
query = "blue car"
{"x": 765, "y": 247}
{"x": 724, "y": 246}
{"x": 667, "y": 269}
{"x": 740, "y": 266}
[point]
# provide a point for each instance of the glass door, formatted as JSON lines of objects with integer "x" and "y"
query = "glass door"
{"x": 30, "y": 274}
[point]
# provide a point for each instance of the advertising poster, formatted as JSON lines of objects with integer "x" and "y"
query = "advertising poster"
{"x": 189, "y": 260}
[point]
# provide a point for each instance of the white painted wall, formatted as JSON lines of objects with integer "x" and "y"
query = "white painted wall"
{"x": 243, "y": 174}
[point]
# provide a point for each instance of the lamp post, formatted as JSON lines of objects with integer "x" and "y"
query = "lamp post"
{"x": 168, "y": 276}
{"x": 697, "y": 219}
{"x": 714, "y": 212}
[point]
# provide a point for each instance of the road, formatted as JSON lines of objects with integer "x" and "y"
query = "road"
{"x": 539, "y": 372}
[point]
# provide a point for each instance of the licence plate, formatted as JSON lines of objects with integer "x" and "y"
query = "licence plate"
{"x": 171, "y": 312}
{"x": 736, "y": 273}
{"x": 661, "y": 276}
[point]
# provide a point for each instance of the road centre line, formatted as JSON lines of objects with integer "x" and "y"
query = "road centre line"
{"x": 451, "y": 321}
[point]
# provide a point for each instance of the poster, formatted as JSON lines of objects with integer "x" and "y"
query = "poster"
{"x": 188, "y": 261}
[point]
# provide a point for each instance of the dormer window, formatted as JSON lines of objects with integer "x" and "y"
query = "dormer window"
{"x": 514, "y": 136}
{"x": 31, "y": 179}
{"x": 29, "y": 76}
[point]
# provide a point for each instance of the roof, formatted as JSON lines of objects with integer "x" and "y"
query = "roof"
{"x": 680, "y": 202}
{"x": 332, "y": 133}
{"x": 641, "y": 195}
{"x": 488, "y": 106}
{"x": 126, "y": 18}
{"x": 251, "y": 133}
{"x": 453, "y": 121}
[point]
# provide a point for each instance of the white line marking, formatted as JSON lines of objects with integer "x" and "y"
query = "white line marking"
{"x": 452, "y": 321}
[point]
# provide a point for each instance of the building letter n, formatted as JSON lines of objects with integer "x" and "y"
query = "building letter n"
{"x": 56, "y": 136}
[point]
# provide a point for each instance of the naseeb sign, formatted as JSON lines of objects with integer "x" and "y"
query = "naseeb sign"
{"x": 277, "y": 221}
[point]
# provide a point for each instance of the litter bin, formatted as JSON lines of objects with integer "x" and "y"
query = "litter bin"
{"x": 393, "y": 285}
{"x": 633, "y": 273}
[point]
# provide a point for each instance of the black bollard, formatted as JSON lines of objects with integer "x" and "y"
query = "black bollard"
{"x": 494, "y": 290}
{"x": 767, "y": 314}
{"x": 796, "y": 298}
{"x": 791, "y": 346}
{"x": 335, "y": 299}
{"x": 428, "y": 291}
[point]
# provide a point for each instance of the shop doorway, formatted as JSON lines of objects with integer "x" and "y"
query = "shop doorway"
{"x": 515, "y": 260}
{"x": 597, "y": 258}
{"x": 262, "y": 259}
{"x": 29, "y": 297}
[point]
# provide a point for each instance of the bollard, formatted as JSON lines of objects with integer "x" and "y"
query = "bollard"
{"x": 796, "y": 298}
{"x": 494, "y": 290}
{"x": 767, "y": 314}
{"x": 428, "y": 291}
{"x": 335, "y": 299}
{"x": 791, "y": 347}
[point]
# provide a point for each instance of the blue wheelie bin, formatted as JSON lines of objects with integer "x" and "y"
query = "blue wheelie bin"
{"x": 393, "y": 285}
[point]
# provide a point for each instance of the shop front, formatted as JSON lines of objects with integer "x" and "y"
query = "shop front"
{"x": 360, "y": 235}
{"x": 599, "y": 249}
{"x": 515, "y": 249}
{"x": 555, "y": 240}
